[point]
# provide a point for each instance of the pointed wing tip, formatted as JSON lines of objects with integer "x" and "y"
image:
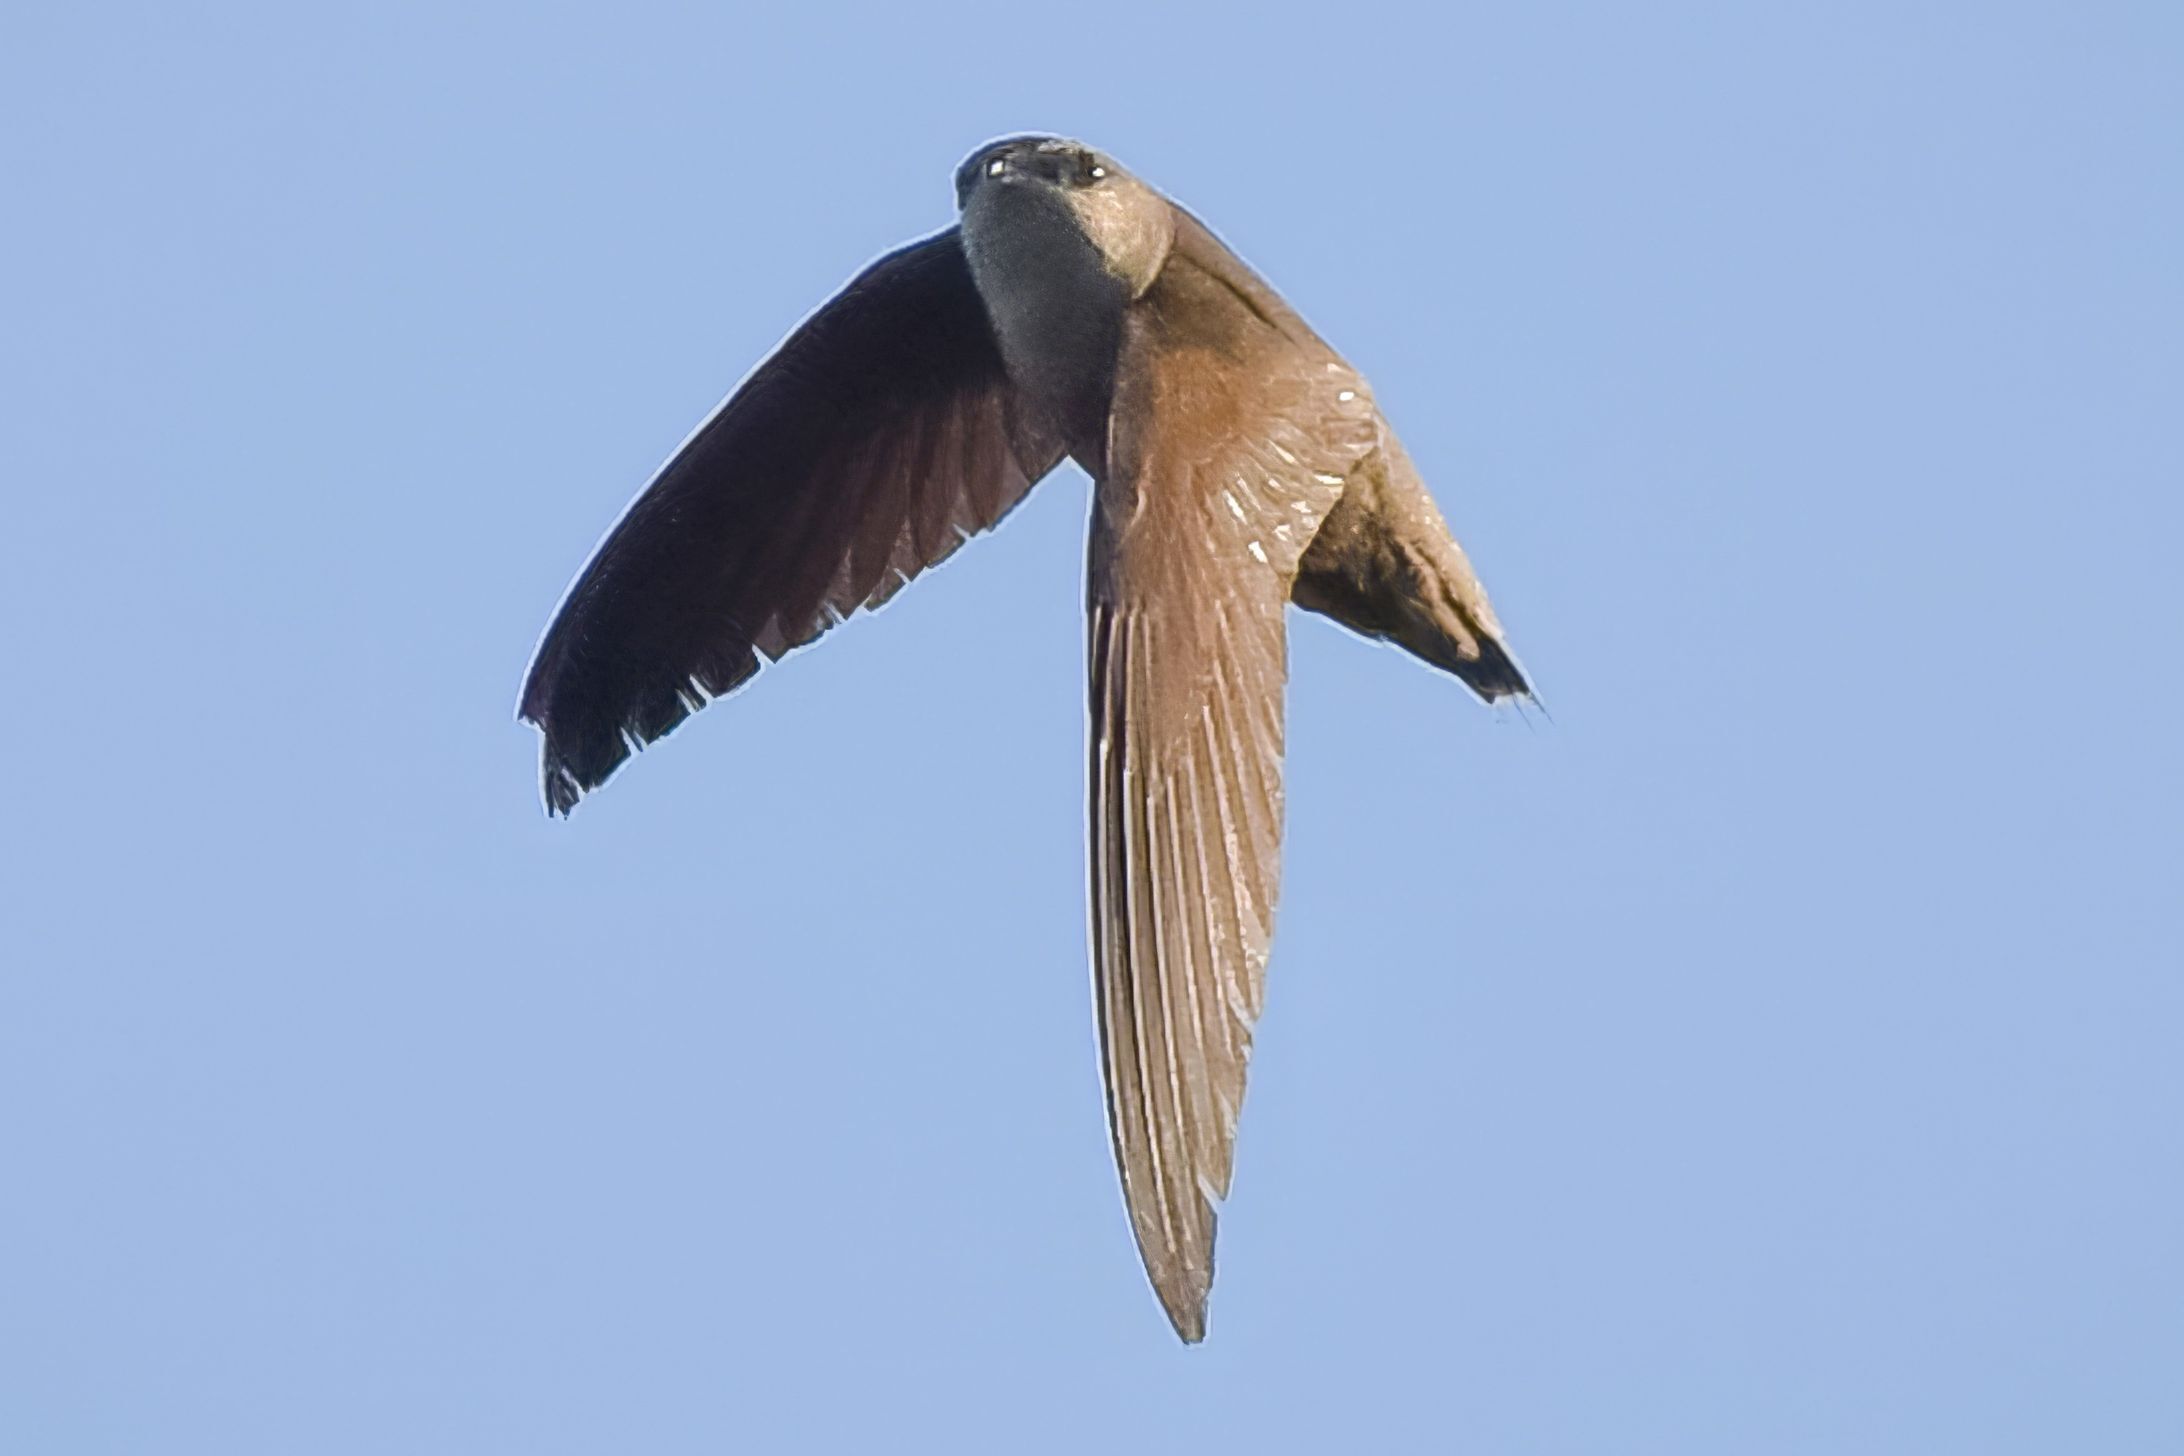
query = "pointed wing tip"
{"x": 1190, "y": 1324}
{"x": 1183, "y": 1292}
{"x": 575, "y": 758}
{"x": 560, "y": 788}
{"x": 1183, "y": 1300}
{"x": 557, "y": 787}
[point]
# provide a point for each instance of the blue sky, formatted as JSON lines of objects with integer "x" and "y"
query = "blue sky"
{"x": 1777, "y": 1051}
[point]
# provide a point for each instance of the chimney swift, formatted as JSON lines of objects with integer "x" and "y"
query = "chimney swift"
{"x": 1238, "y": 464}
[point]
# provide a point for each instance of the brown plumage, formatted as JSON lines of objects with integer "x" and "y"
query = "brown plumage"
{"x": 1239, "y": 464}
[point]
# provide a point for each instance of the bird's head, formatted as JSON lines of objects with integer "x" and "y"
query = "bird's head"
{"x": 1025, "y": 181}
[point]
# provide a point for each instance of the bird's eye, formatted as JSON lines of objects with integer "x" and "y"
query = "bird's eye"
{"x": 1097, "y": 172}
{"x": 997, "y": 166}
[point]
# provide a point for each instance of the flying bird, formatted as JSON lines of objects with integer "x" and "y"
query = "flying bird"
{"x": 1239, "y": 464}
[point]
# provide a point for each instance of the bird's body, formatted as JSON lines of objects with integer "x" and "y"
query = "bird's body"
{"x": 1238, "y": 462}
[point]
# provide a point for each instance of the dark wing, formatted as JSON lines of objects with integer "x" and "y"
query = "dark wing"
{"x": 1229, "y": 445}
{"x": 878, "y": 438}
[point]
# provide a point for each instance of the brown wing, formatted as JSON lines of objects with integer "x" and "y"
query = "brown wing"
{"x": 878, "y": 438}
{"x": 1229, "y": 446}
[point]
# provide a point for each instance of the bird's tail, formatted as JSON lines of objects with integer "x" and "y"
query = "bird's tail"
{"x": 1450, "y": 632}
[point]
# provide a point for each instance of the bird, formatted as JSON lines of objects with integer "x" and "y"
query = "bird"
{"x": 1239, "y": 464}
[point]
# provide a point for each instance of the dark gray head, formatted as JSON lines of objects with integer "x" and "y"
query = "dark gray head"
{"x": 1054, "y": 161}
{"x": 1029, "y": 182}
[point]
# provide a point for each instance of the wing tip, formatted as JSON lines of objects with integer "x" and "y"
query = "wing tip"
{"x": 1182, "y": 1283}
{"x": 1189, "y": 1321}
{"x": 561, "y": 783}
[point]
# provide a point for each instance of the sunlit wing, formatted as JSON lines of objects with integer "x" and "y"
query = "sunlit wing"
{"x": 1230, "y": 444}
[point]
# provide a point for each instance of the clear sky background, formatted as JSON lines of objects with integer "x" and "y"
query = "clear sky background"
{"x": 1782, "y": 1050}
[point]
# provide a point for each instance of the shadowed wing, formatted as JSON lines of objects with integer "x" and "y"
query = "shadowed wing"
{"x": 878, "y": 438}
{"x": 1229, "y": 446}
